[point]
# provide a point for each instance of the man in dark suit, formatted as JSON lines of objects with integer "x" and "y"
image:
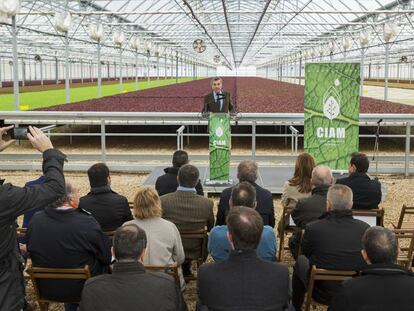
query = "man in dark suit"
{"x": 243, "y": 281}
{"x": 130, "y": 287}
{"x": 168, "y": 183}
{"x": 332, "y": 242}
{"x": 188, "y": 210}
{"x": 218, "y": 100}
{"x": 311, "y": 208}
{"x": 248, "y": 171}
{"x": 64, "y": 236}
{"x": 109, "y": 208}
{"x": 382, "y": 285}
{"x": 367, "y": 191}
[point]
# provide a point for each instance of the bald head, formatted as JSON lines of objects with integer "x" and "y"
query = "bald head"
{"x": 339, "y": 197}
{"x": 380, "y": 246}
{"x": 322, "y": 175}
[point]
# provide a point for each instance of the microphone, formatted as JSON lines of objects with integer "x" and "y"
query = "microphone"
{"x": 379, "y": 121}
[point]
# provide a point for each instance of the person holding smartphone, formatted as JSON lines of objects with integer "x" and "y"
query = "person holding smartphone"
{"x": 15, "y": 201}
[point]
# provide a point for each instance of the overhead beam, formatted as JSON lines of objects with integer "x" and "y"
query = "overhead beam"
{"x": 229, "y": 31}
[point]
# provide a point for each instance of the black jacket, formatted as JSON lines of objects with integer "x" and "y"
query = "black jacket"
{"x": 243, "y": 282}
{"x": 378, "y": 288}
{"x": 367, "y": 191}
{"x": 67, "y": 238}
{"x": 334, "y": 242}
{"x": 168, "y": 183}
{"x": 130, "y": 287}
{"x": 210, "y": 104}
{"x": 15, "y": 201}
{"x": 264, "y": 206}
{"x": 109, "y": 208}
{"x": 311, "y": 208}
{"x": 307, "y": 210}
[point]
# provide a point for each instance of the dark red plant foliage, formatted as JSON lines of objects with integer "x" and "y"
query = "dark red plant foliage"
{"x": 249, "y": 95}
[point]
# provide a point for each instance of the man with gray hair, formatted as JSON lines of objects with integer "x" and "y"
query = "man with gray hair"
{"x": 382, "y": 285}
{"x": 331, "y": 242}
{"x": 311, "y": 208}
{"x": 247, "y": 171}
{"x": 65, "y": 236}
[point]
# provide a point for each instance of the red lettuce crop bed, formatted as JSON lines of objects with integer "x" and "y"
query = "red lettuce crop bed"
{"x": 249, "y": 95}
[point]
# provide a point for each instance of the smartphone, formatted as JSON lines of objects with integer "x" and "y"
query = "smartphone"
{"x": 19, "y": 133}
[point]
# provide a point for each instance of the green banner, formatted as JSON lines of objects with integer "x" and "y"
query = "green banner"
{"x": 220, "y": 145}
{"x": 332, "y": 112}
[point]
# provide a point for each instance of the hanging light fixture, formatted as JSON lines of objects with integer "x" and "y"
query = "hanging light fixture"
{"x": 96, "y": 32}
{"x": 390, "y": 31}
{"x": 364, "y": 39}
{"x": 63, "y": 20}
{"x": 119, "y": 38}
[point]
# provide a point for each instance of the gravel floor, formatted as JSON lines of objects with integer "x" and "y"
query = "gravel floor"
{"x": 398, "y": 193}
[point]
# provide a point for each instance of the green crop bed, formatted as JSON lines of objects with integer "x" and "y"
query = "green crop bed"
{"x": 43, "y": 99}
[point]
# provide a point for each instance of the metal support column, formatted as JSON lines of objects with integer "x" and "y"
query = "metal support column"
{"x": 120, "y": 70}
{"x": 407, "y": 148}
{"x": 361, "y": 88}
{"x": 176, "y": 67}
{"x": 15, "y": 66}
{"x": 387, "y": 65}
{"x": 148, "y": 68}
{"x": 158, "y": 69}
{"x": 136, "y": 71}
{"x": 99, "y": 70}
{"x": 300, "y": 71}
{"x": 165, "y": 67}
{"x": 254, "y": 140}
{"x": 81, "y": 69}
{"x": 103, "y": 141}
{"x": 67, "y": 77}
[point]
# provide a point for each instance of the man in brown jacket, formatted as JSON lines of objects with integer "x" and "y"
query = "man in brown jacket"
{"x": 188, "y": 210}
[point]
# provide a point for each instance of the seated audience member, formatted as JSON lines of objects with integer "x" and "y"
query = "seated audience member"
{"x": 168, "y": 183}
{"x": 188, "y": 211}
{"x": 367, "y": 191}
{"x": 310, "y": 209}
{"x": 15, "y": 201}
{"x": 28, "y": 215}
{"x": 382, "y": 285}
{"x": 109, "y": 208}
{"x": 130, "y": 287}
{"x": 64, "y": 236}
{"x": 299, "y": 186}
{"x": 243, "y": 194}
{"x": 243, "y": 281}
{"x": 164, "y": 246}
{"x": 247, "y": 171}
{"x": 332, "y": 242}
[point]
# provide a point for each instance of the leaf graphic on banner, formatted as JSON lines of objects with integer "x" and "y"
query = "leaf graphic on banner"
{"x": 332, "y": 113}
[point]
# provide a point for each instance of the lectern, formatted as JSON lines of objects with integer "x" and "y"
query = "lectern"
{"x": 219, "y": 148}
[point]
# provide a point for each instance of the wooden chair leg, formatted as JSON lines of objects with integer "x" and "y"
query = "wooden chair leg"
{"x": 281, "y": 245}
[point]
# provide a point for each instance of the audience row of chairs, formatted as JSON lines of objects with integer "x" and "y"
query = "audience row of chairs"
{"x": 404, "y": 231}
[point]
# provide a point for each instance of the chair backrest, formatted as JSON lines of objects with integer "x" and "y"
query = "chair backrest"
{"x": 201, "y": 237}
{"x": 38, "y": 274}
{"x": 324, "y": 275}
{"x": 373, "y": 217}
{"x": 405, "y": 211}
{"x": 110, "y": 234}
{"x": 169, "y": 269}
{"x": 406, "y": 244}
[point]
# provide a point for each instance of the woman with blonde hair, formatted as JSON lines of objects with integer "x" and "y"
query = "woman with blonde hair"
{"x": 299, "y": 186}
{"x": 164, "y": 245}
